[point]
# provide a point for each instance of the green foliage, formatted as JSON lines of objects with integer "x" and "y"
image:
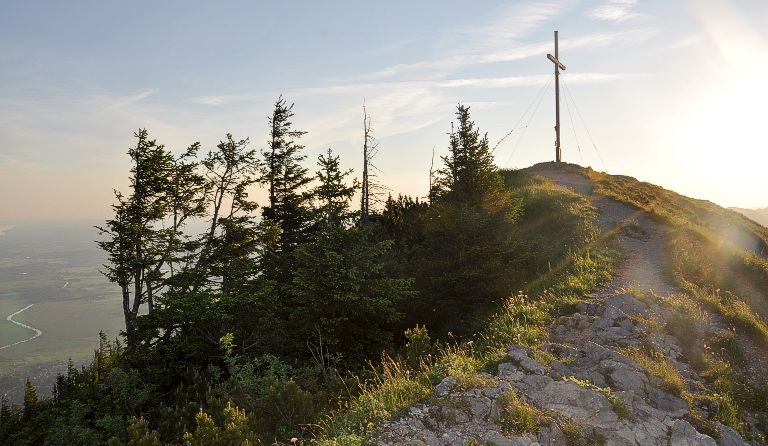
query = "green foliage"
{"x": 659, "y": 366}
{"x": 30, "y": 399}
{"x": 285, "y": 318}
{"x": 332, "y": 194}
{"x": 136, "y": 245}
{"x": 341, "y": 295}
{"x": 469, "y": 175}
{"x": 580, "y": 435}
{"x": 234, "y": 432}
{"x": 462, "y": 247}
{"x": 286, "y": 179}
{"x": 138, "y": 435}
{"x": 418, "y": 346}
{"x": 518, "y": 416}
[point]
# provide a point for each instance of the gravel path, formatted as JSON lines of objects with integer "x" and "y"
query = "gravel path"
{"x": 640, "y": 238}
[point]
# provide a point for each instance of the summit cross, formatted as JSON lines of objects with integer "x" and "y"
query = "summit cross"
{"x": 558, "y": 66}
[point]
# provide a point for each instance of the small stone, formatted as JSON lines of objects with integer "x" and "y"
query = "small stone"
{"x": 551, "y": 436}
{"x": 683, "y": 434}
{"x": 480, "y": 408}
{"x": 509, "y": 371}
{"x": 521, "y": 356}
{"x": 445, "y": 386}
{"x": 729, "y": 437}
{"x": 666, "y": 402}
{"x": 624, "y": 378}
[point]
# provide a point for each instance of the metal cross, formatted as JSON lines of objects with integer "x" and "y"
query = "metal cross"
{"x": 558, "y": 66}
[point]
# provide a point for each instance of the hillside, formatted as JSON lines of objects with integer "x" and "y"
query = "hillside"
{"x": 758, "y": 215}
{"x": 673, "y": 349}
{"x": 550, "y": 305}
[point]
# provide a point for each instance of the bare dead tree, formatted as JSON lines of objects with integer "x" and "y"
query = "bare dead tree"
{"x": 431, "y": 174}
{"x": 371, "y": 190}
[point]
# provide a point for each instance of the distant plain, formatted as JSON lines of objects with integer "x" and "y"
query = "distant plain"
{"x": 56, "y": 267}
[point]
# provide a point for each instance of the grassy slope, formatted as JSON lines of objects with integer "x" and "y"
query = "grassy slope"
{"x": 708, "y": 260}
{"x": 521, "y": 319}
{"x": 706, "y": 246}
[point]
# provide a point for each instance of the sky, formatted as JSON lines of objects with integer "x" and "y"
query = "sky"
{"x": 668, "y": 91}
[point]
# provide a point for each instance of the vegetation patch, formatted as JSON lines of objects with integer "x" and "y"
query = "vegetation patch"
{"x": 522, "y": 320}
{"x": 577, "y": 434}
{"x": 658, "y": 365}
{"x": 518, "y": 416}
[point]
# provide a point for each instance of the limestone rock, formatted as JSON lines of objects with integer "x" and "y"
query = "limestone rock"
{"x": 683, "y": 434}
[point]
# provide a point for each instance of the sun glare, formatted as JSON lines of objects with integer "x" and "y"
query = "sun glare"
{"x": 721, "y": 134}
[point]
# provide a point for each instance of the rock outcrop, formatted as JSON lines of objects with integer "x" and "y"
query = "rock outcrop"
{"x": 591, "y": 390}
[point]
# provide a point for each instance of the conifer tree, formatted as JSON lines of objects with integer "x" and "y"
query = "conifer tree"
{"x": 333, "y": 196}
{"x": 5, "y": 412}
{"x": 136, "y": 246}
{"x": 226, "y": 258}
{"x": 469, "y": 234}
{"x": 469, "y": 173}
{"x": 30, "y": 399}
{"x": 286, "y": 178}
{"x": 339, "y": 290}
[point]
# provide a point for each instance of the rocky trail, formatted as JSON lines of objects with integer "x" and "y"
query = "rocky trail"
{"x": 590, "y": 391}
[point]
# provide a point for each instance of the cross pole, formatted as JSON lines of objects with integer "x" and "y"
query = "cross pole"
{"x": 558, "y": 66}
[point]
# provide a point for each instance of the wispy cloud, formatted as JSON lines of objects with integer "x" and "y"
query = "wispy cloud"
{"x": 614, "y": 10}
{"x": 441, "y": 67}
{"x": 510, "y": 25}
{"x": 538, "y": 79}
{"x": 131, "y": 99}
{"x": 215, "y": 100}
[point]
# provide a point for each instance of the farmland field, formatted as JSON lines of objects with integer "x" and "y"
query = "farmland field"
{"x": 55, "y": 268}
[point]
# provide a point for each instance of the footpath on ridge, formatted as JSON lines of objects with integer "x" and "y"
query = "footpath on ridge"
{"x": 592, "y": 392}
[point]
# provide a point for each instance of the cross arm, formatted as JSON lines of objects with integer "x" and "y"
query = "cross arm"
{"x": 555, "y": 61}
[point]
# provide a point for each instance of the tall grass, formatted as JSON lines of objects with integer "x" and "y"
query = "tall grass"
{"x": 520, "y": 320}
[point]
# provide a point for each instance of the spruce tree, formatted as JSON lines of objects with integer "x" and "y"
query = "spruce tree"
{"x": 286, "y": 178}
{"x": 5, "y": 412}
{"x": 135, "y": 244}
{"x": 30, "y": 399}
{"x": 469, "y": 174}
{"x": 469, "y": 231}
{"x": 332, "y": 195}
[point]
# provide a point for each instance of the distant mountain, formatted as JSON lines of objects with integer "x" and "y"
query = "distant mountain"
{"x": 758, "y": 215}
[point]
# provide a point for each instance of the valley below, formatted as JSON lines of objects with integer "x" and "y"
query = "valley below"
{"x": 53, "y": 302}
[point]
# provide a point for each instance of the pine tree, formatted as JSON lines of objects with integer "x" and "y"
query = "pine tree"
{"x": 286, "y": 178}
{"x": 139, "y": 242}
{"x": 333, "y": 196}
{"x": 30, "y": 399}
{"x": 226, "y": 258}
{"x": 338, "y": 288}
{"x": 469, "y": 231}
{"x": 5, "y": 412}
{"x": 469, "y": 174}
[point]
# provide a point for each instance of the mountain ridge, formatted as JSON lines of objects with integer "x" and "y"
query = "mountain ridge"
{"x": 620, "y": 369}
{"x": 759, "y": 215}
